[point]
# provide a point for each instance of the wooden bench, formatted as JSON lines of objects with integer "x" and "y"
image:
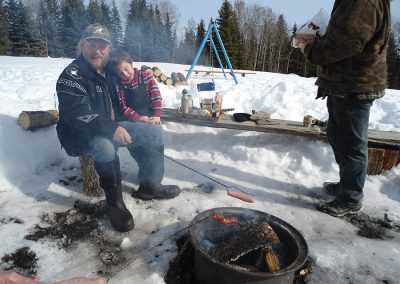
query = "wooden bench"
{"x": 383, "y": 146}
{"x": 242, "y": 73}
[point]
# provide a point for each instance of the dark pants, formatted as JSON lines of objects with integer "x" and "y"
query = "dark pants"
{"x": 348, "y": 135}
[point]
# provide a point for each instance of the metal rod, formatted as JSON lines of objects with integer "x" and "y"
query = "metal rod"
{"x": 153, "y": 246}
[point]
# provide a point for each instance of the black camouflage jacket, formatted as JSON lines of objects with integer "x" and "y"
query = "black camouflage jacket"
{"x": 351, "y": 56}
{"x": 85, "y": 106}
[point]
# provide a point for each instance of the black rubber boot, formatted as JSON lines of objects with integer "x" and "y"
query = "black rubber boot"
{"x": 150, "y": 191}
{"x": 110, "y": 180}
{"x": 150, "y": 160}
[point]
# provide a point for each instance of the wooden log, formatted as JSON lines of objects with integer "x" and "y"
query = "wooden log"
{"x": 30, "y": 120}
{"x": 156, "y": 71}
{"x": 177, "y": 81}
{"x": 181, "y": 77}
{"x": 147, "y": 69}
{"x": 91, "y": 184}
{"x": 174, "y": 78}
{"x": 158, "y": 79}
{"x": 163, "y": 77}
{"x": 390, "y": 158}
{"x": 169, "y": 81}
{"x": 375, "y": 161}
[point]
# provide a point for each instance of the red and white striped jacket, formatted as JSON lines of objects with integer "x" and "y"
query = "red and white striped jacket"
{"x": 152, "y": 90}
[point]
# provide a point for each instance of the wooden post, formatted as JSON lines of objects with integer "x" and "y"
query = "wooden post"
{"x": 381, "y": 159}
{"x": 30, "y": 120}
{"x": 91, "y": 184}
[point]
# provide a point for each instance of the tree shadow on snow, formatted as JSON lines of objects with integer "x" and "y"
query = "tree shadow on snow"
{"x": 32, "y": 162}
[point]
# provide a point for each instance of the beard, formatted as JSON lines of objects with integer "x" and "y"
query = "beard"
{"x": 98, "y": 63}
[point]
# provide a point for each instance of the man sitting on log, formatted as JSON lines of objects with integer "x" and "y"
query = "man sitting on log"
{"x": 87, "y": 125}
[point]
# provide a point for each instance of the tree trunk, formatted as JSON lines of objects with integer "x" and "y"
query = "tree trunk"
{"x": 30, "y": 120}
{"x": 91, "y": 184}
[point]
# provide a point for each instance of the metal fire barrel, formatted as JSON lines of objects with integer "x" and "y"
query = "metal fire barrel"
{"x": 209, "y": 270}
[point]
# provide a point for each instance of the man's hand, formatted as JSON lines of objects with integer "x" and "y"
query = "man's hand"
{"x": 122, "y": 136}
{"x": 301, "y": 40}
{"x": 83, "y": 280}
{"x": 13, "y": 277}
{"x": 154, "y": 120}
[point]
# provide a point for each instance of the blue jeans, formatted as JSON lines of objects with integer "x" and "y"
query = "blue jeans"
{"x": 348, "y": 136}
{"x": 147, "y": 139}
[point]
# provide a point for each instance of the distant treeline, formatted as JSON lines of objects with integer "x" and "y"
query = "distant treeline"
{"x": 254, "y": 36}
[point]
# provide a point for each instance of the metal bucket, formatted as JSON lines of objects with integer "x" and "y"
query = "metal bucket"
{"x": 209, "y": 270}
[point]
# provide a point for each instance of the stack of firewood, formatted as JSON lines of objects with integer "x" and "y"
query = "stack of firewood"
{"x": 176, "y": 79}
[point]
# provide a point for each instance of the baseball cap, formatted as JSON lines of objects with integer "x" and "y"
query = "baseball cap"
{"x": 96, "y": 31}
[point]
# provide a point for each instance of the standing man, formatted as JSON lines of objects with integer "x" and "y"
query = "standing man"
{"x": 351, "y": 68}
{"x": 87, "y": 125}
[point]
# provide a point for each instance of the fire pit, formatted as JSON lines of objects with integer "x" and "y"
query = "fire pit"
{"x": 239, "y": 245}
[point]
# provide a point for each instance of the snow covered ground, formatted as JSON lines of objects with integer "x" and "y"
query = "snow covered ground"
{"x": 284, "y": 173}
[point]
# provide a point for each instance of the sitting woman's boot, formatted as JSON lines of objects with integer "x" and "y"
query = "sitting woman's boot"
{"x": 110, "y": 180}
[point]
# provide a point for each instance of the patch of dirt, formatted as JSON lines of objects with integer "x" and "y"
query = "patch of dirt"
{"x": 11, "y": 220}
{"x": 72, "y": 226}
{"x": 370, "y": 227}
{"x": 23, "y": 261}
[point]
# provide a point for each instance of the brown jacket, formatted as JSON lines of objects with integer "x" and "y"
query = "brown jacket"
{"x": 351, "y": 56}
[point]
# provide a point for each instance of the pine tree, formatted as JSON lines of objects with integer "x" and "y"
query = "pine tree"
{"x": 145, "y": 32}
{"x": 392, "y": 59}
{"x": 73, "y": 24}
{"x": 105, "y": 15}
{"x": 24, "y": 40}
{"x": 116, "y": 27}
{"x": 5, "y": 43}
{"x": 49, "y": 16}
{"x": 94, "y": 13}
{"x": 132, "y": 31}
{"x": 169, "y": 41}
{"x": 230, "y": 33}
{"x": 160, "y": 52}
{"x": 200, "y": 33}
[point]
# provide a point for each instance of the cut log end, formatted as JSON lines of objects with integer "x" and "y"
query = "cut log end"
{"x": 30, "y": 120}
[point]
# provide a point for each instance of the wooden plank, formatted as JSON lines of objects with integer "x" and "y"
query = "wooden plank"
{"x": 227, "y": 71}
{"x": 377, "y": 139}
{"x": 375, "y": 161}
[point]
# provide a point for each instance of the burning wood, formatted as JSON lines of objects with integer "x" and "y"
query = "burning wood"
{"x": 249, "y": 237}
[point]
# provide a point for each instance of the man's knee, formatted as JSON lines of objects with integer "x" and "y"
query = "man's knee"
{"x": 102, "y": 150}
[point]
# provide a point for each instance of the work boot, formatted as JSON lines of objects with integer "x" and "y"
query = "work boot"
{"x": 339, "y": 207}
{"x": 150, "y": 160}
{"x": 150, "y": 191}
{"x": 333, "y": 188}
{"x": 110, "y": 180}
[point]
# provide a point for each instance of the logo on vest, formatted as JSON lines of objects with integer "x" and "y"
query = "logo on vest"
{"x": 73, "y": 72}
{"x": 98, "y": 89}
